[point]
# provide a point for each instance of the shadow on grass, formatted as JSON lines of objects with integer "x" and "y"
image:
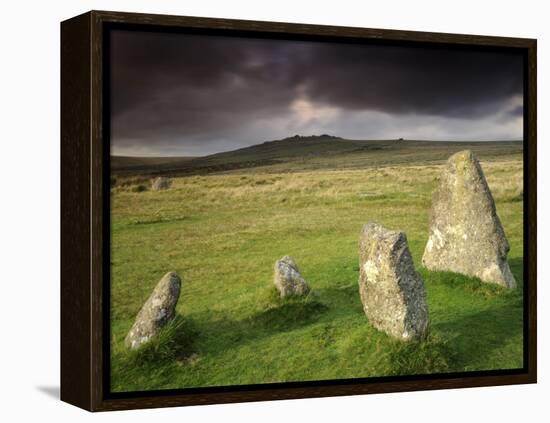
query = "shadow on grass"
{"x": 516, "y": 266}
{"x": 344, "y": 300}
{"x": 274, "y": 315}
{"x": 472, "y": 338}
{"x": 461, "y": 343}
{"x": 466, "y": 342}
{"x": 185, "y": 338}
{"x": 470, "y": 342}
{"x": 287, "y": 316}
{"x": 473, "y": 285}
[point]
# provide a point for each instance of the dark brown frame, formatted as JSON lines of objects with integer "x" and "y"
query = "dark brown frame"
{"x": 83, "y": 218}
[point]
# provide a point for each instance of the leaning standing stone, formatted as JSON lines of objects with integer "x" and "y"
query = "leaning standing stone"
{"x": 392, "y": 292}
{"x": 157, "y": 311}
{"x": 161, "y": 183}
{"x": 288, "y": 279}
{"x": 466, "y": 235}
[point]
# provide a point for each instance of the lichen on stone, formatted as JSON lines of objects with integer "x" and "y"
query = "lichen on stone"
{"x": 157, "y": 311}
{"x": 288, "y": 279}
{"x": 392, "y": 292}
{"x": 465, "y": 234}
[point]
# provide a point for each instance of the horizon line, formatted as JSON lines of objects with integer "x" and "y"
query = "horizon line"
{"x": 319, "y": 136}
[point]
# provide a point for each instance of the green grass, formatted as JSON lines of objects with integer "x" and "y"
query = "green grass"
{"x": 223, "y": 232}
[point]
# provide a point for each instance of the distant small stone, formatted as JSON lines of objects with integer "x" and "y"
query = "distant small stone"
{"x": 158, "y": 310}
{"x": 466, "y": 235}
{"x": 288, "y": 279}
{"x": 392, "y": 292}
{"x": 190, "y": 360}
{"x": 161, "y": 183}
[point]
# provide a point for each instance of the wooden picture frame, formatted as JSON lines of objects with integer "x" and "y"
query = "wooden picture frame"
{"x": 85, "y": 216}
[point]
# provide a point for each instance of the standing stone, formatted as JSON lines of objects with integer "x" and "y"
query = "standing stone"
{"x": 392, "y": 292}
{"x": 161, "y": 183}
{"x": 466, "y": 235}
{"x": 158, "y": 310}
{"x": 288, "y": 279}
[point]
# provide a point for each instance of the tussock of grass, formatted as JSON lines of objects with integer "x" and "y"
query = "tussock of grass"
{"x": 261, "y": 182}
{"x": 432, "y": 355}
{"x": 139, "y": 188}
{"x": 173, "y": 342}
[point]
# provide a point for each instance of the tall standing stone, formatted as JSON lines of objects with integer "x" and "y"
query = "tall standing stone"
{"x": 287, "y": 279}
{"x": 157, "y": 311}
{"x": 466, "y": 235}
{"x": 392, "y": 292}
{"x": 161, "y": 183}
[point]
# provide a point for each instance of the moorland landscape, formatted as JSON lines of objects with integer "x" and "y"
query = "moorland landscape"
{"x": 226, "y": 218}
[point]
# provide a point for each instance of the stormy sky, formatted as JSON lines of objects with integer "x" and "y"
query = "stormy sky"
{"x": 191, "y": 95}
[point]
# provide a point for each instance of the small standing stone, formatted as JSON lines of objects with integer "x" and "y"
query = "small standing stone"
{"x": 466, "y": 235}
{"x": 161, "y": 183}
{"x": 392, "y": 292}
{"x": 288, "y": 279}
{"x": 158, "y": 310}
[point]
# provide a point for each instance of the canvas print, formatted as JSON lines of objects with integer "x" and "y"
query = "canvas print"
{"x": 299, "y": 210}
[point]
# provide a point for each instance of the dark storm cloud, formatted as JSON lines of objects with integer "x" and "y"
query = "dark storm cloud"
{"x": 516, "y": 111}
{"x": 175, "y": 92}
{"x": 416, "y": 80}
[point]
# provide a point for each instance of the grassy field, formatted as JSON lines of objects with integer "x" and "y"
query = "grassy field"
{"x": 223, "y": 231}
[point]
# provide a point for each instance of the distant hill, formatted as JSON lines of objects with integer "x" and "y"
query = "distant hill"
{"x": 130, "y": 164}
{"x": 298, "y": 153}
